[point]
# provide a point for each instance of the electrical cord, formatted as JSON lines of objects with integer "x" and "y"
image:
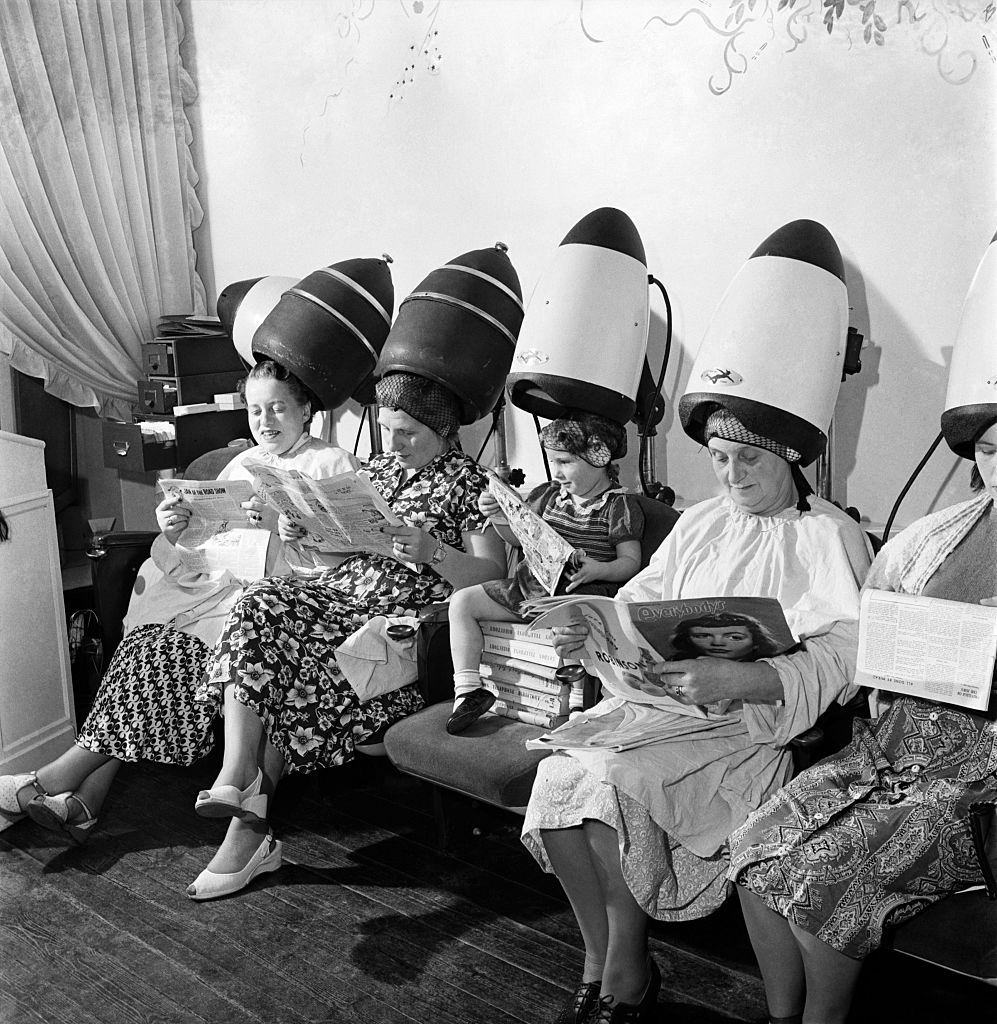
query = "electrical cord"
{"x": 907, "y": 486}
{"x": 648, "y": 427}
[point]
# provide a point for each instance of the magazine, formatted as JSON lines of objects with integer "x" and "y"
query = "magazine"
{"x": 218, "y": 535}
{"x": 627, "y": 639}
{"x": 546, "y": 552}
{"x": 342, "y": 514}
{"x": 927, "y": 647}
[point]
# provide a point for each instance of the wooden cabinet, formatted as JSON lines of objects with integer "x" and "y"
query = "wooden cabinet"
{"x": 36, "y": 701}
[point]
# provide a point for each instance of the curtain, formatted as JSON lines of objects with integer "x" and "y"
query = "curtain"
{"x": 97, "y": 201}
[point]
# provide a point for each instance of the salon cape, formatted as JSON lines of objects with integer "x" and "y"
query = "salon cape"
{"x": 199, "y": 603}
{"x": 703, "y": 777}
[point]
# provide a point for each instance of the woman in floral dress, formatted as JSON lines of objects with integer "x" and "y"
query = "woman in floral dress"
{"x": 288, "y": 706}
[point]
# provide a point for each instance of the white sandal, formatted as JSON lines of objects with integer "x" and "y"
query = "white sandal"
{"x": 53, "y": 813}
{"x": 231, "y": 802}
{"x": 10, "y": 786}
{"x": 209, "y": 885}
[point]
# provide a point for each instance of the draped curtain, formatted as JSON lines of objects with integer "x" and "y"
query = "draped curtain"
{"x": 97, "y": 202}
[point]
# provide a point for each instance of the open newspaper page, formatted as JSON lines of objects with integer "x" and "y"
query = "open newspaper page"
{"x": 626, "y": 639}
{"x": 545, "y": 550}
{"x": 927, "y": 647}
{"x": 342, "y": 514}
{"x": 218, "y": 537}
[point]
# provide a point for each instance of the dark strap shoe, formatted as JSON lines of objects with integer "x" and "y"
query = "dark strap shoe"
{"x": 583, "y": 1004}
{"x": 471, "y": 707}
{"x": 643, "y": 1011}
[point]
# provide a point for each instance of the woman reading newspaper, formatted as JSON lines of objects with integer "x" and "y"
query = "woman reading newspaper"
{"x": 880, "y": 831}
{"x": 642, "y": 833}
{"x": 288, "y": 705}
{"x": 146, "y": 706}
{"x": 586, "y": 506}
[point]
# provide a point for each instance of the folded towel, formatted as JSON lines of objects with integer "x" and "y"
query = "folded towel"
{"x": 373, "y": 662}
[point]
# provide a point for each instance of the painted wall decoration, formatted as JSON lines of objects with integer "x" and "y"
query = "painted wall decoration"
{"x": 956, "y": 34}
{"x": 424, "y": 56}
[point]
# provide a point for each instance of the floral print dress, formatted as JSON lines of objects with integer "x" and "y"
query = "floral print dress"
{"x": 278, "y": 646}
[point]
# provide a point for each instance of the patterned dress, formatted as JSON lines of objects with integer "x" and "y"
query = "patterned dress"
{"x": 596, "y": 527}
{"x": 878, "y": 832}
{"x": 278, "y": 646}
{"x": 147, "y": 705}
{"x": 674, "y": 802}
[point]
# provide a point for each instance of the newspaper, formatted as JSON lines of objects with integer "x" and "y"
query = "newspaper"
{"x": 545, "y": 550}
{"x": 218, "y": 536}
{"x": 627, "y": 639}
{"x": 342, "y": 514}
{"x": 927, "y": 647}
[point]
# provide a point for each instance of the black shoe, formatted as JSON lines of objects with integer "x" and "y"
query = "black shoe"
{"x": 471, "y": 707}
{"x": 584, "y": 1003}
{"x": 642, "y": 1012}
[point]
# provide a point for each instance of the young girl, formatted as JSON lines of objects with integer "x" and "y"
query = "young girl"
{"x": 586, "y": 505}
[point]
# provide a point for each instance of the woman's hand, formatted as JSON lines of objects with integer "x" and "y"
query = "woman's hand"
{"x": 256, "y": 510}
{"x": 588, "y": 571}
{"x": 410, "y": 543}
{"x": 488, "y": 505}
{"x": 569, "y": 641}
{"x": 173, "y": 515}
{"x": 288, "y": 530}
{"x": 697, "y": 680}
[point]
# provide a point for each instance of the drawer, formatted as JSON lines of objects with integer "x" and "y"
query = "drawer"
{"x": 160, "y": 395}
{"x": 181, "y": 357}
{"x": 126, "y": 449}
{"x": 202, "y": 432}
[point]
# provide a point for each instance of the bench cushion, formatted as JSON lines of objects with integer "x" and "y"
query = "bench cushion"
{"x": 489, "y": 761}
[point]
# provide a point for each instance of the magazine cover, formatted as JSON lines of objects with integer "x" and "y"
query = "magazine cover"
{"x": 627, "y": 639}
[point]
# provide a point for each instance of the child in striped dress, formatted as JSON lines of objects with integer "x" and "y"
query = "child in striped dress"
{"x": 585, "y": 504}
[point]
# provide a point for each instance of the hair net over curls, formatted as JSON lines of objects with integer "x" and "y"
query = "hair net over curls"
{"x": 424, "y": 400}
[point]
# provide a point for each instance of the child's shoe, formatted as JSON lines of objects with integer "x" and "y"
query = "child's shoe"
{"x": 469, "y": 708}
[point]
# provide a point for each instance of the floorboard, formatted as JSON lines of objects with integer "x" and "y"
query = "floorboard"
{"x": 366, "y": 921}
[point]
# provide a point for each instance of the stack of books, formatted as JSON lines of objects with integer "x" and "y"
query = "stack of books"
{"x": 518, "y": 665}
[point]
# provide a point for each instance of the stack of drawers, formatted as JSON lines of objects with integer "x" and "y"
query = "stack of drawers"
{"x": 187, "y": 364}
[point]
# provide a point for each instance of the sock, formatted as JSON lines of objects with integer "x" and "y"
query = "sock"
{"x": 464, "y": 683}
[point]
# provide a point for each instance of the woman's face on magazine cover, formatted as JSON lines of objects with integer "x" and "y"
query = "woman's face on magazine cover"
{"x": 730, "y": 642}
{"x": 276, "y": 418}
{"x": 756, "y": 480}
{"x": 412, "y": 443}
{"x": 575, "y": 475}
{"x": 986, "y": 459}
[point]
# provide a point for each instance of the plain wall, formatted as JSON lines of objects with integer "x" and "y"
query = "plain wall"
{"x": 330, "y": 129}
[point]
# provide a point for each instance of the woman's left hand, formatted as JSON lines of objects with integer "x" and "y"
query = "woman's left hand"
{"x": 588, "y": 571}
{"x": 410, "y": 543}
{"x": 697, "y": 680}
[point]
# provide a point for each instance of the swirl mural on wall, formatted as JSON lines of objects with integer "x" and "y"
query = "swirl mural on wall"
{"x": 956, "y": 34}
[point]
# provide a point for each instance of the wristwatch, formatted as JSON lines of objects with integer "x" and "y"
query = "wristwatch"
{"x": 439, "y": 554}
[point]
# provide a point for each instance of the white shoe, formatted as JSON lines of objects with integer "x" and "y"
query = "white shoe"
{"x": 209, "y": 885}
{"x": 10, "y": 787}
{"x": 230, "y": 802}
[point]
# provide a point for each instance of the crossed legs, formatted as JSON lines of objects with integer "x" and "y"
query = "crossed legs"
{"x": 802, "y": 974}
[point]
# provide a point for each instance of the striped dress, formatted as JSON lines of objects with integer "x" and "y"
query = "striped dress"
{"x": 596, "y": 527}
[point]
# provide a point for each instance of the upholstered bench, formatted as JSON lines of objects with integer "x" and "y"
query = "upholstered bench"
{"x": 489, "y": 761}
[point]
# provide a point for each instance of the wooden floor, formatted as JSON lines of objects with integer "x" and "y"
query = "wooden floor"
{"x": 367, "y": 921}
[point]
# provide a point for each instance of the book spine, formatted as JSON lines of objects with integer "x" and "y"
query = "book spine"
{"x": 546, "y": 672}
{"x": 550, "y": 703}
{"x": 528, "y": 677}
{"x": 517, "y": 631}
{"x": 528, "y": 715}
{"x": 537, "y": 654}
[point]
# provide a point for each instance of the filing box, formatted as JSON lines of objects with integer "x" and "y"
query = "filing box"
{"x": 159, "y": 395}
{"x": 181, "y": 357}
{"x": 126, "y": 448}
